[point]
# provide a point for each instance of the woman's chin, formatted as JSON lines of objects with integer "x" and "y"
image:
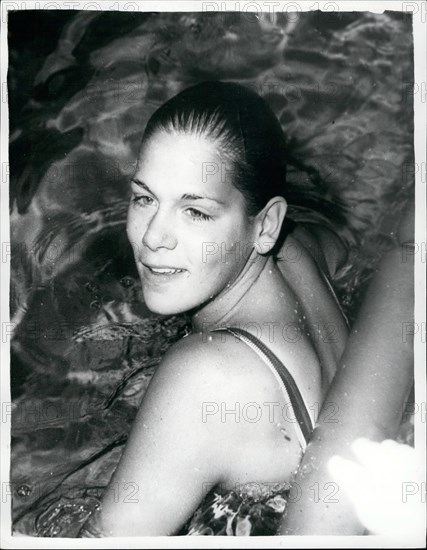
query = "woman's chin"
{"x": 164, "y": 307}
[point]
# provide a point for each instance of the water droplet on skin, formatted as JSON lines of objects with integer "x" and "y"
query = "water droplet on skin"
{"x": 306, "y": 469}
{"x": 270, "y": 272}
{"x": 210, "y": 338}
{"x": 285, "y": 435}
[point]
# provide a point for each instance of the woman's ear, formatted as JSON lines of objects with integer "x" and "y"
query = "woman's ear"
{"x": 269, "y": 222}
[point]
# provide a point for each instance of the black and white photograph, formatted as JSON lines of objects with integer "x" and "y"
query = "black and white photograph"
{"x": 213, "y": 231}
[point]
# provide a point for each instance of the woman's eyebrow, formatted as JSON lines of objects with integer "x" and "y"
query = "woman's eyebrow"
{"x": 189, "y": 196}
{"x": 142, "y": 184}
{"x": 185, "y": 196}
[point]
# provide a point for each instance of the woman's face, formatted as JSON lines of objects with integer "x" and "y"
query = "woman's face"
{"x": 186, "y": 223}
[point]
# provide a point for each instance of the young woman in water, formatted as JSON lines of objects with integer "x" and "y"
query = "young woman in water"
{"x": 232, "y": 405}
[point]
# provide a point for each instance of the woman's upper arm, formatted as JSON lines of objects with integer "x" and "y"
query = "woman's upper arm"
{"x": 172, "y": 453}
{"x": 324, "y": 245}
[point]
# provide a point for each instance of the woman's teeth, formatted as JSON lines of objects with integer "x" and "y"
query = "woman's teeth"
{"x": 166, "y": 271}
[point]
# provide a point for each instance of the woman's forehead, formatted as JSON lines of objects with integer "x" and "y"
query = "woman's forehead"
{"x": 189, "y": 158}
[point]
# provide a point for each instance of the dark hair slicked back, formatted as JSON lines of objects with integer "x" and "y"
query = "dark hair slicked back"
{"x": 243, "y": 126}
{"x": 247, "y": 133}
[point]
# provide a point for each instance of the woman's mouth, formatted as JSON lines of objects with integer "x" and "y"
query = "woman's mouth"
{"x": 160, "y": 272}
{"x": 164, "y": 271}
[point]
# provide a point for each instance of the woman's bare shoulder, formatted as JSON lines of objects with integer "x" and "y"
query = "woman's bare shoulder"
{"x": 240, "y": 402}
{"x": 220, "y": 357}
{"x": 195, "y": 386}
{"x": 214, "y": 368}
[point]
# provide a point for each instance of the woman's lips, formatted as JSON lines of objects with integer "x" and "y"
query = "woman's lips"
{"x": 161, "y": 273}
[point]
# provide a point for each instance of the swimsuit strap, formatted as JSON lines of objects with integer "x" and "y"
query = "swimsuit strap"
{"x": 304, "y": 424}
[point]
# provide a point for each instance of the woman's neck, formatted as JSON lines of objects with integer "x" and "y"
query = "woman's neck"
{"x": 233, "y": 301}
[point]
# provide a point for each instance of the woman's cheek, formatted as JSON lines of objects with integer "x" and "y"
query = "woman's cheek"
{"x": 129, "y": 232}
{"x": 131, "y": 223}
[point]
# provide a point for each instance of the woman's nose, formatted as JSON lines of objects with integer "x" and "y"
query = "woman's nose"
{"x": 159, "y": 233}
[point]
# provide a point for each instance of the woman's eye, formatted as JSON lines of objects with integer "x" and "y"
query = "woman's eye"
{"x": 142, "y": 200}
{"x": 197, "y": 215}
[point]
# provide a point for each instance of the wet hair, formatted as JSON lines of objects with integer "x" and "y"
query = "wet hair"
{"x": 247, "y": 133}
